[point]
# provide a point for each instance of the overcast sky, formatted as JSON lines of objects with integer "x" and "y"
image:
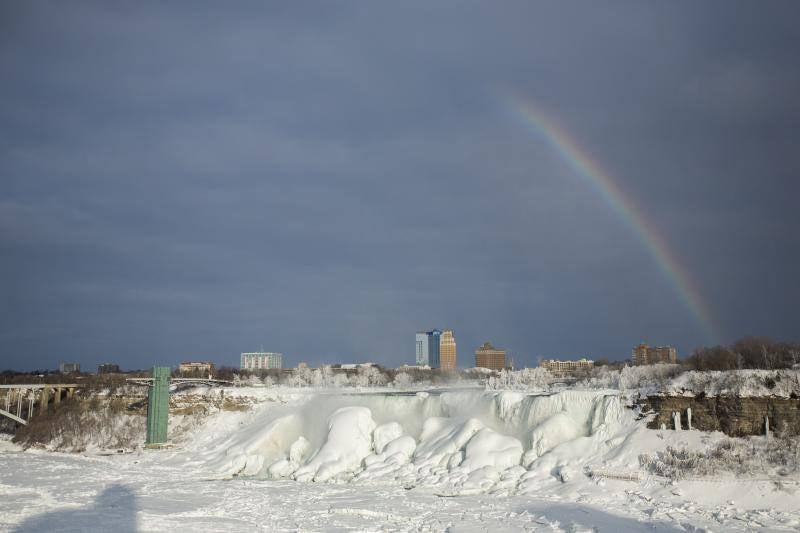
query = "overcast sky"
{"x": 190, "y": 181}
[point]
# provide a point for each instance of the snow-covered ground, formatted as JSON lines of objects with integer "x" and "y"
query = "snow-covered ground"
{"x": 459, "y": 460}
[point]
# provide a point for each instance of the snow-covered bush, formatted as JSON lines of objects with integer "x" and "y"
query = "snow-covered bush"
{"x": 674, "y": 463}
{"x": 78, "y": 425}
{"x": 743, "y": 457}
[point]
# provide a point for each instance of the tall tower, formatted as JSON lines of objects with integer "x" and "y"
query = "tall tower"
{"x": 447, "y": 350}
{"x": 433, "y": 348}
{"x": 158, "y": 406}
{"x": 422, "y": 349}
{"x": 427, "y": 348}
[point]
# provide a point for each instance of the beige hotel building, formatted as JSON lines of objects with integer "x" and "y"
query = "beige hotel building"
{"x": 447, "y": 350}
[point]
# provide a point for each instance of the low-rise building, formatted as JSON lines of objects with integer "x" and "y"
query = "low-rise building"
{"x": 651, "y": 355}
{"x": 261, "y": 360}
{"x": 196, "y": 367}
{"x": 487, "y": 356}
{"x": 108, "y": 368}
{"x": 563, "y": 368}
{"x": 69, "y": 368}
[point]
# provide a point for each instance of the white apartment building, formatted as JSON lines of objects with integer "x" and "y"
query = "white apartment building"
{"x": 261, "y": 360}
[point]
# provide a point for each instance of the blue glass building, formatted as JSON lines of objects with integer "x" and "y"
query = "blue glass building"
{"x": 427, "y": 348}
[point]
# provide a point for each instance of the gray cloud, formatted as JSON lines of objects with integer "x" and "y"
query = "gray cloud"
{"x": 193, "y": 181}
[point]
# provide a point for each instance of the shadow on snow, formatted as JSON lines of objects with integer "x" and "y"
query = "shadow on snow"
{"x": 113, "y": 510}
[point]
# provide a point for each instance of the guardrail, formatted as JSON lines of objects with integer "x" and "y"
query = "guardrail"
{"x": 30, "y": 386}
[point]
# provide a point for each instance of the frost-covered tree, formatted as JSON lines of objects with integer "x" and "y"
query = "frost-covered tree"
{"x": 304, "y": 375}
{"x": 402, "y": 380}
{"x": 340, "y": 380}
{"x": 368, "y": 376}
{"x": 301, "y": 377}
{"x": 652, "y": 377}
{"x": 327, "y": 376}
{"x": 527, "y": 378}
{"x": 294, "y": 380}
{"x": 535, "y": 378}
{"x": 359, "y": 380}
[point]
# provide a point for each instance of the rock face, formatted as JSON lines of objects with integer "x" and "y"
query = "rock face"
{"x": 732, "y": 415}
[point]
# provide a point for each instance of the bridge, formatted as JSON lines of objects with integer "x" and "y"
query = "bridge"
{"x": 177, "y": 382}
{"x": 21, "y": 399}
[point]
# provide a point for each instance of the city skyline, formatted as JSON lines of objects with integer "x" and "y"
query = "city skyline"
{"x": 326, "y": 180}
{"x": 485, "y": 355}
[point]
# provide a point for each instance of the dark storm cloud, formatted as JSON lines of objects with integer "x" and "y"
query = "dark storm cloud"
{"x": 190, "y": 181}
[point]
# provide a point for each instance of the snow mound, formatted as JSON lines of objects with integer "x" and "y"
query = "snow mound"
{"x": 489, "y": 448}
{"x": 247, "y": 453}
{"x": 349, "y": 442}
{"x": 555, "y": 430}
{"x": 386, "y": 433}
{"x": 457, "y": 442}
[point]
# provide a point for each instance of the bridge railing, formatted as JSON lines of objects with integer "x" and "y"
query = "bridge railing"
{"x": 24, "y": 395}
{"x": 149, "y": 381}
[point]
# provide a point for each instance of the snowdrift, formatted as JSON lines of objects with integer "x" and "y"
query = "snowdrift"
{"x": 460, "y": 442}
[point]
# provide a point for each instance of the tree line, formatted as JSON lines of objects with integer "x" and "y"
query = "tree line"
{"x": 749, "y": 352}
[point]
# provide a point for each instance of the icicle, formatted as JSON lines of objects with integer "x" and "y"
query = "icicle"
{"x": 766, "y": 426}
{"x": 689, "y": 418}
{"x": 676, "y": 417}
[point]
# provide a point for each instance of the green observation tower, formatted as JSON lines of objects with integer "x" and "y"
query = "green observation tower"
{"x": 158, "y": 406}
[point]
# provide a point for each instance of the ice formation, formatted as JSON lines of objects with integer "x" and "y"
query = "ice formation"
{"x": 457, "y": 442}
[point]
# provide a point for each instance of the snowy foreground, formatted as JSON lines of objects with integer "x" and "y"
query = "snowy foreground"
{"x": 458, "y": 461}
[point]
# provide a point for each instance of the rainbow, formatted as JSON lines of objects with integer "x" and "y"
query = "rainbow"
{"x": 571, "y": 152}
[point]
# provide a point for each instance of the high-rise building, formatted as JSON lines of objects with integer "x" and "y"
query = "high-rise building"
{"x": 447, "y": 350}
{"x": 427, "y": 348}
{"x": 423, "y": 355}
{"x": 261, "y": 360}
{"x": 650, "y": 355}
{"x": 487, "y": 356}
